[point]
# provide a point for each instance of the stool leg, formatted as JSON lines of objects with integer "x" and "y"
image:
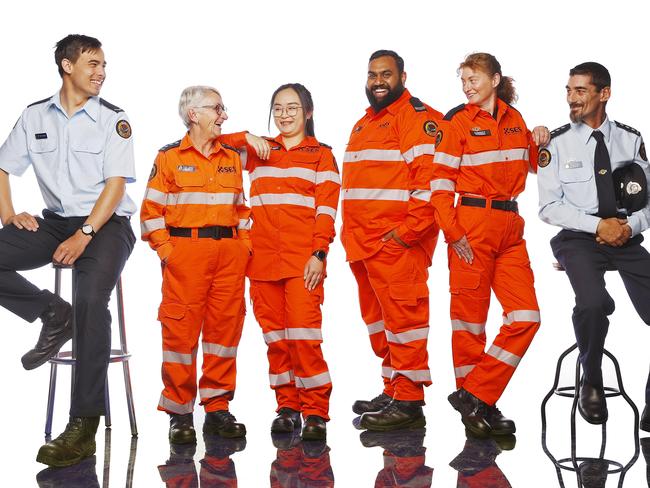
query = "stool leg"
{"x": 573, "y": 416}
{"x": 50, "y": 401}
{"x": 125, "y": 363}
{"x": 107, "y": 405}
{"x": 73, "y": 301}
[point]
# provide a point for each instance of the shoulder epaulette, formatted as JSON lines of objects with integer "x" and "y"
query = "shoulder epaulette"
{"x": 513, "y": 108}
{"x": 325, "y": 145}
{"x": 418, "y": 106}
{"x": 454, "y": 111}
{"x": 170, "y": 146}
{"x": 110, "y": 106}
{"x": 39, "y": 102}
{"x": 228, "y": 146}
{"x": 560, "y": 130}
{"x": 627, "y": 128}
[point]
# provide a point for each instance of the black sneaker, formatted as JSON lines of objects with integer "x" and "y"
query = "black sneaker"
{"x": 362, "y": 406}
{"x": 473, "y": 412}
{"x": 223, "y": 423}
{"x": 56, "y": 331}
{"x": 398, "y": 414}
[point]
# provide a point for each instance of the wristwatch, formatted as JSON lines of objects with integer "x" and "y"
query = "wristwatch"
{"x": 320, "y": 255}
{"x": 87, "y": 230}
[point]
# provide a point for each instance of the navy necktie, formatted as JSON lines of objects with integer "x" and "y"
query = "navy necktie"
{"x": 604, "y": 181}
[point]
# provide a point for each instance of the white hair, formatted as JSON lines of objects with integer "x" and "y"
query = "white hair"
{"x": 192, "y": 97}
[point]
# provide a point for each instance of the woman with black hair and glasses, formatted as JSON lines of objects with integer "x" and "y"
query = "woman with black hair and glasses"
{"x": 294, "y": 196}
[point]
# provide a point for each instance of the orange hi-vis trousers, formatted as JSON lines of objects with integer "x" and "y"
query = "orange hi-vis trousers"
{"x": 394, "y": 302}
{"x": 290, "y": 317}
{"x": 500, "y": 263}
{"x": 203, "y": 292}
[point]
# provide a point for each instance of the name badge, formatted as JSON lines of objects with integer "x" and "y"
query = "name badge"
{"x": 480, "y": 132}
{"x": 186, "y": 169}
{"x": 572, "y": 164}
{"x": 41, "y": 135}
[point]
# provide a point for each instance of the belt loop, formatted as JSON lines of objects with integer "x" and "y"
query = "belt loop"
{"x": 195, "y": 234}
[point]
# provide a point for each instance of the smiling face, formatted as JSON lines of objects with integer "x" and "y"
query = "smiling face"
{"x": 87, "y": 74}
{"x": 209, "y": 116}
{"x": 586, "y": 102}
{"x": 288, "y": 114}
{"x": 385, "y": 84}
{"x": 479, "y": 87}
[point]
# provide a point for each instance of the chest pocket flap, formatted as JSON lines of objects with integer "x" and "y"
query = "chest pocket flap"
{"x": 189, "y": 178}
{"x": 42, "y": 145}
{"x": 572, "y": 172}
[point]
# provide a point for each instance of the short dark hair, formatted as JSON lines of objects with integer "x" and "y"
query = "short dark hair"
{"x": 71, "y": 47}
{"x": 387, "y": 52}
{"x": 599, "y": 75}
{"x": 305, "y": 100}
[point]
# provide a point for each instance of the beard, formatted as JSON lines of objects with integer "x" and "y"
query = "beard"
{"x": 575, "y": 117}
{"x": 393, "y": 94}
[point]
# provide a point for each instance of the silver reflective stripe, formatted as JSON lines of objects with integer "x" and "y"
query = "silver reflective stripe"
{"x": 201, "y": 198}
{"x": 150, "y": 225}
{"x": 376, "y": 327}
{"x": 521, "y": 316}
{"x": 212, "y": 392}
{"x": 323, "y": 176}
{"x": 240, "y": 199}
{"x": 442, "y": 184}
{"x": 386, "y": 372}
{"x": 282, "y": 198}
{"x": 424, "y": 195}
{"x": 322, "y": 209}
{"x": 313, "y": 381}
{"x": 172, "y": 406}
{"x": 219, "y": 350}
{"x": 177, "y": 357}
{"x": 414, "y": 374}
{"x": 304, "y": 334}
{"x": 461, "y": 325}
{"x": 274, "y": 336}
{"x": 272, "y": 172}
{"x": 155, "y": 196}
{"x": 446, "y": 159}
{"x": 244, "y": 224}
{"x": 504, "y": 356}
{"x": 387, "y": 155}
{"x": 417, "y": 151}
{"x": 487, "y": 157}
{"x": 376, "y": 194}
{"x": 281, "y": 379}
{"x": 408, "y": 336}
{"x": 462, "y": 371}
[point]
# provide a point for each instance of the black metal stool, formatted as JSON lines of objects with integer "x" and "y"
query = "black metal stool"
{"x": 573, "y": 392}
{"x": 120, "y": 355}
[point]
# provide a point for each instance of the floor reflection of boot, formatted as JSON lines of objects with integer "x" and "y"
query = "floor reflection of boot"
{"x": 476, "y": 463}
{"x": 645, "y": 448}
{"x": 217, "y": 469}
{"x": 80, "y": 475}
{"x": 404, "y": 458}
{"x": 286, "y": 466}
{"x": 315, "y": 468}
{"x": 179, "y": 470}
{"x": 593, "y": 473}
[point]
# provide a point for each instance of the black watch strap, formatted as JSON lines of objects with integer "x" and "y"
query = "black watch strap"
{"x": 320, "y": 255}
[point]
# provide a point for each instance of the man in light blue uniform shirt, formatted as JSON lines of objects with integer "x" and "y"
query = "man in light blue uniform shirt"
{"x": 81, "y": 150}
{"x": 599, "y": 232}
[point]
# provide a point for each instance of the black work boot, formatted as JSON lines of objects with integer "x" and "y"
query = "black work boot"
{"x": 286, "y": 421}
{"x": 223, "y": 423}
{"x": 398, "y": 414}
{"x": 375, "y": 405}
{"x": 314, "y": 429}
{"x": 473, "y": 412}
{"x": 181, "y": 428}
{"x": 75, "y": 443}
{"x": 56, "y": 331}
{"x": 645, "y": 419}
{"x": 500, "y": 424}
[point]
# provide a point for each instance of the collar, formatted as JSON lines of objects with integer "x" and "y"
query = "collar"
{"x": 91, "y": 107}
{"x": 584, "y": 131}
{"x": 186, "y": 143}
{"x": 474, "y": 110}
{"x": 308, "y": 141}
{"x": 394, "y": 107}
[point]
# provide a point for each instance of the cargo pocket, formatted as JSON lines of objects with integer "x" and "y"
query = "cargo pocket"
{"x": 408, "y": 293}
{"x": 174, "y": 311}
{"x": 465, "y": 299}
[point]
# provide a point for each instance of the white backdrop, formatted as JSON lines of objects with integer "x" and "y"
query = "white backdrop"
{"x": 246, "y": 50}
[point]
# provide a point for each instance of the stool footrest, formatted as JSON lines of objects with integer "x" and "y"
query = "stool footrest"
{"x": 562, "y": 463}
{"x": 65, "y": 357}
{"x": 570, "y": 391}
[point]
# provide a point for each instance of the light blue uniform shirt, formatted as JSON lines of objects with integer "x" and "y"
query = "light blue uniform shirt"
{"x": 567, "y": 188}
{"x": 72, "y": 157}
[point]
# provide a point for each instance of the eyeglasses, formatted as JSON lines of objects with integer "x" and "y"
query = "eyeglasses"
{"x": 291, "y": 110}
{"x": 217, "y": 108}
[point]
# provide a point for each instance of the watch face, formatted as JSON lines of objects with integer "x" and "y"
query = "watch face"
{"x": 87, "y": 229}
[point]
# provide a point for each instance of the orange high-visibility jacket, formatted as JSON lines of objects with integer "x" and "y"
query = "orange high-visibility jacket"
{"x": 186, "y": 189}
{"x": 387, "y": 172}
{"x": 294, "y": 197}
{"x": 478, "y": 155}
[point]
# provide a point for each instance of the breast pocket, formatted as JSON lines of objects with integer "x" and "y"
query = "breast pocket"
{"x": 570, "y": 173}
{"x": 188, "y": 179}
{"x": 42, "y": 146}
{"x": 87, "y": 162}
{"x": 578, "y": 185}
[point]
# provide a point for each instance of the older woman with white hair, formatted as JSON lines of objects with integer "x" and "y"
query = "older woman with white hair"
{"x": 193, "y": 215}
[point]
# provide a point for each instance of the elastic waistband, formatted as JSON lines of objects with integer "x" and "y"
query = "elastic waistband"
{"x": 214, "y": 232}
{"x": 506, "y": 205}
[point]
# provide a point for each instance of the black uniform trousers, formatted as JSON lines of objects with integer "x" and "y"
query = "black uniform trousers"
{"x": 96, "y": 272}
{"x": 585, "y": 262}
